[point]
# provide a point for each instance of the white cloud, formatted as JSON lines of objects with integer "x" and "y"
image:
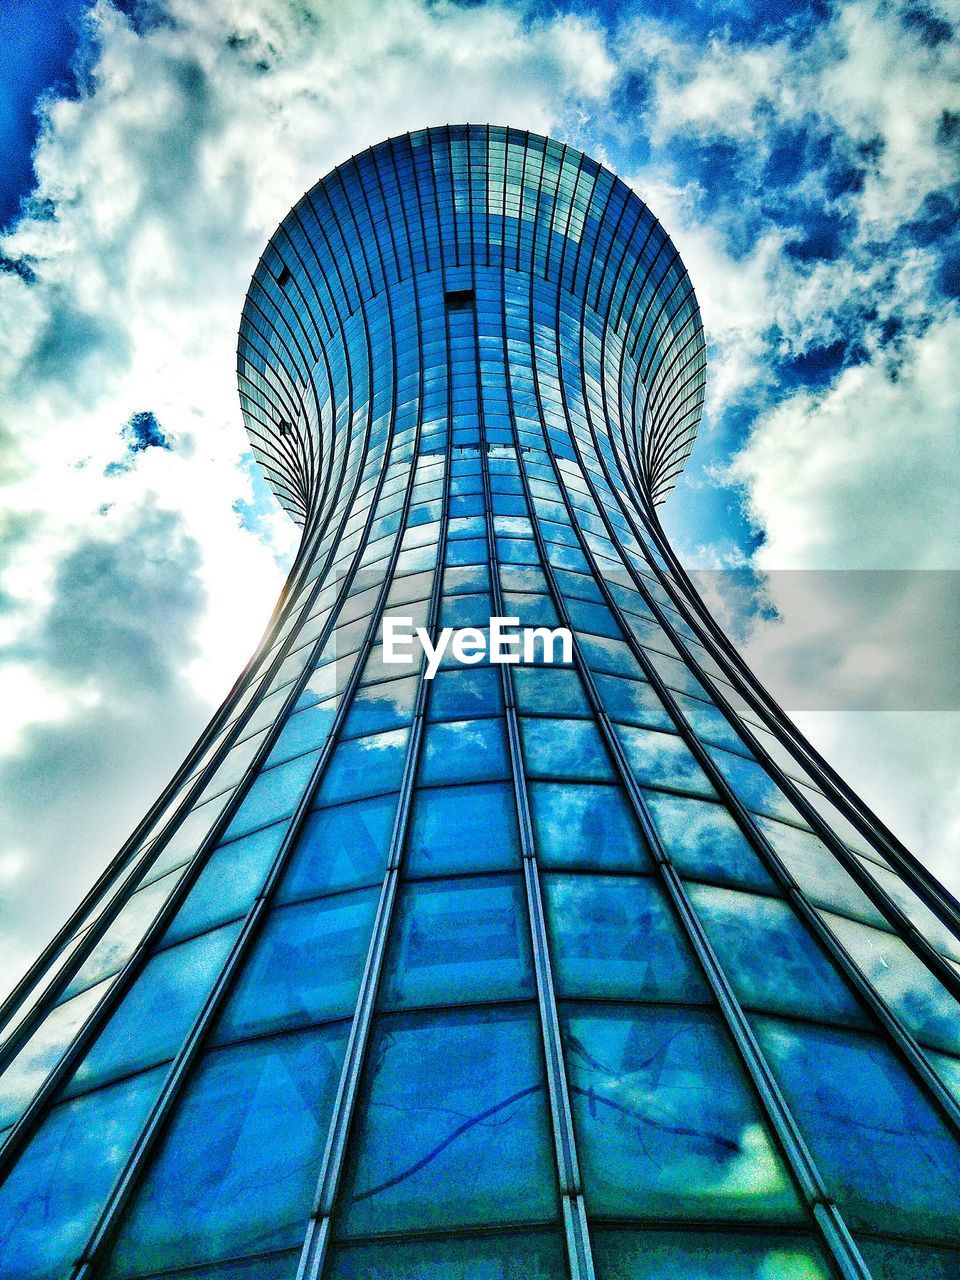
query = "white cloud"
{"x": 157, "y": 189}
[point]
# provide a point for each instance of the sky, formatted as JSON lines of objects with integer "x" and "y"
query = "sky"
{"x": 803, "y": 156}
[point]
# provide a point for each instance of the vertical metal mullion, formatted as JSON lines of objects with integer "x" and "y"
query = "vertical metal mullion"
{"x": 319, "y": 1226}
{"x": 806, "y": 1176}
{"x": 576, "y": 1230}
{"x": 109, "y": 1220}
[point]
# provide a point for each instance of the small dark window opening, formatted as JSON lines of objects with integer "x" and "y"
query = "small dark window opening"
{"x": 459, "y": 299}
{"x": 284, "y": 277}
{"x": 286, "y": 428}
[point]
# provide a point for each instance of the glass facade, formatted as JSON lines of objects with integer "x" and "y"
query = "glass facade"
{"x": 584, "y": 968}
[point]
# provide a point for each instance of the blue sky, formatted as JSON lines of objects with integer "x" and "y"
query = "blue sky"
{"x": 802, "y": 156}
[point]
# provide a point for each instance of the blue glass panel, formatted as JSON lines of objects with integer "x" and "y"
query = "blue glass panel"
{"x": 662, "y": 760}
{"x": 666, "y": 1126}
{"x": 704, "y": 842}
{"x": 453, "y": 1126}
{"x": 552, "y": 691}
{"x": 364, "y": 767}
{"x": 923, "y": 1004}
{"x": 677, "y": 1255}
{"x": 343, "y": 847}
{"x": 158, "y": 1010}
{"x": 274, "y": 795}
{"x": 564, "y": 749}
{"x": 771, "y": 959}
{"x": 377, "y": 707}
{"x": 462, "y": 693}
{"x": 304, "y": 731}
{"x": 305, "y": 967}
{"x": 43, "y": 1050}
{"x": 752, "y": 785}
{"x": 582, "y": 825}
{"x": 472, "y": 828}
{"x": 49, "y": 1203}
{"x": 631, "y": 701}
{"x": 459, "y": 941}
{"x": 614, "y": 936}
{"x": 531, "y": 1256}
{"x": 817, "y": 872}
{"x": 228, "y": 884}
{"x": 237, "y": 1170}
{"x": 887, "y": 1157}
{"x": 464, "y": 751}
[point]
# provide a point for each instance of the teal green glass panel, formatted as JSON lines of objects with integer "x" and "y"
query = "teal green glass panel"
{"x": 305, "y": 967}
{"x": 343, "y": 847}
{"x": 158, "y": 1011}
{"x": 680, "y": 1255}
{"x": 666, "y": 1126}
{"x": 614, "y": 936}
{"x": 531, "y": 1256}
{"x": 772, "y": 960}
{"x": 896, "y": 1260}
{"x": 581, "y": 825}
{"x": 50, "y": 1201}
{"x": 703, "y": 841}
{"x": 887, "y": 1157}
{"x": 459, "y": 941}
{"x": 237, "y": 1170}
{"x": 453, "y": 1125}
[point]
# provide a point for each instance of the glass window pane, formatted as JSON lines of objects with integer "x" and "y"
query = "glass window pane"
{"x": 464, "y": 751}
{"x": 564, "y": 749}
{"x": 458, "y": 941}
{"x": 453, "y": 1125}
{"x": 367, "y": 766}
{"x": 676, "y": 1255}
{"x": 50, "y": 1201}
{"x": 228, "y": 884}
{"x": 666, "y": 1126}
{"x": 378, "y": 707}
{"x": 305, "y": 967}
{"x": 662, "y": 760}
{"x": 343, "y": 847}
{"x": 817, "y": 872}
{"x": 274, "y": 795}
{"x": 886, "y": 1156}
{"x": 553, "y": 691}
{"x": 472, "y": 828}
{"x": 892, "y": 1260}
{"x": 927, "y": 1009}
{"x": 580, "y": 825}
{"x": 158, "y": 1010}
{"x": 465, "y": 692}
{"x": 531, "y": 1256}
{"x": 704, "y": 842}
{"x": 237, "y": 1170}
{"x": 772, "y": 961}
{"x": 614, "y": 936}
{"x": 631, "y": 701}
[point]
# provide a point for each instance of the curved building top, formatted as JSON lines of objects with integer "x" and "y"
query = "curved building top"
{"x": 339, "y": 326}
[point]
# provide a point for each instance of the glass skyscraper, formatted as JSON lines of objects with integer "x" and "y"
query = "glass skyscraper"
{"x": 571, "y": 968}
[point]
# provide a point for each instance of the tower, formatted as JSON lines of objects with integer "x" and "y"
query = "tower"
{"x": 581, "y": 965}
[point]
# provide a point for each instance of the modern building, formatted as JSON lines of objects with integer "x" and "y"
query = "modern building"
{"x": 548, "y": 969}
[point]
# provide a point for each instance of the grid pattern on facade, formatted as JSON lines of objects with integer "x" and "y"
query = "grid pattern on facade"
{"x": 579, "y": 969}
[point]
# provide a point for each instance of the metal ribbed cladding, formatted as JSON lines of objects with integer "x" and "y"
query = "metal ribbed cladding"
{"x": 523, "y": 204}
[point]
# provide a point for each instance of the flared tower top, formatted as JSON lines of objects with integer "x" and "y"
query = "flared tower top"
{"x": 452, "y": 211}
